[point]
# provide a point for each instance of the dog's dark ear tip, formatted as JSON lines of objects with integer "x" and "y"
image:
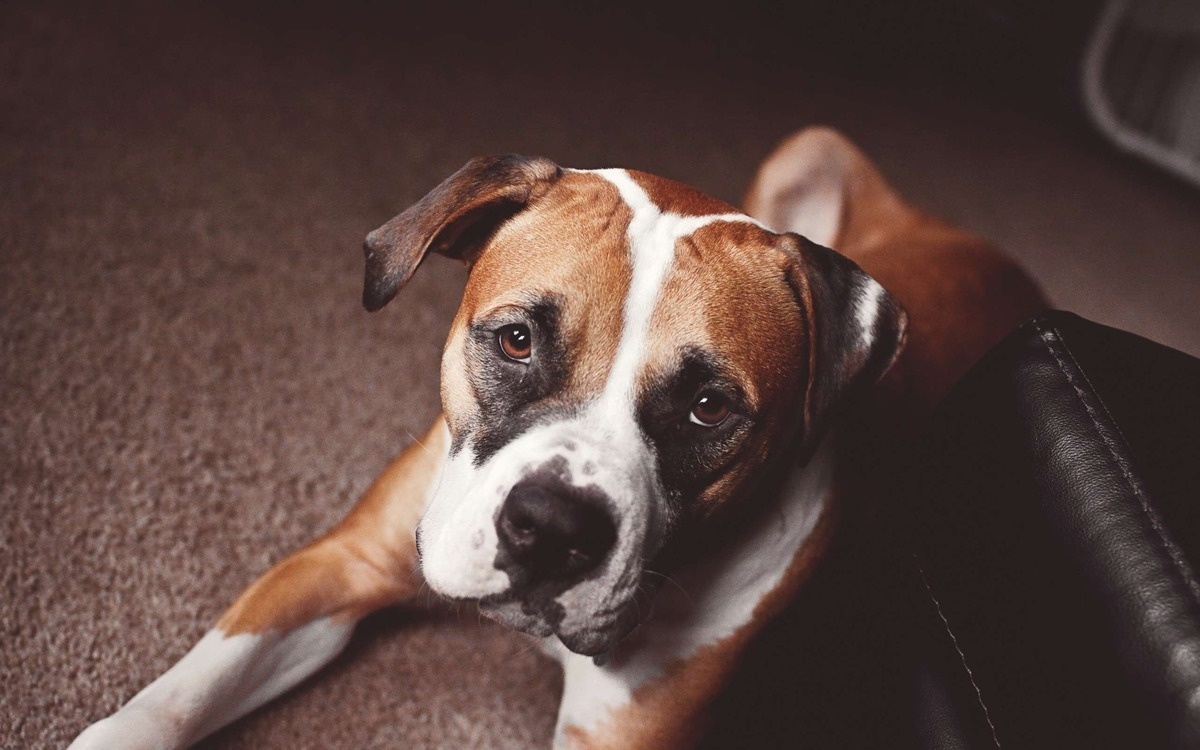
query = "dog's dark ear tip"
{"x": 377, "y": 293}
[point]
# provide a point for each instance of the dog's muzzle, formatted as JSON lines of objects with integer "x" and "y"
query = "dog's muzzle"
{"x": 549, "y": 535}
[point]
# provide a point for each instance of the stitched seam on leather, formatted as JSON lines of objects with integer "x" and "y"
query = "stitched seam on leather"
{"x": 1177, "y": 560}
{"x": 962, "y": 658}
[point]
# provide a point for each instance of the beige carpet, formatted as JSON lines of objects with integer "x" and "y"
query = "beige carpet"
{"x": 189, "y": 388}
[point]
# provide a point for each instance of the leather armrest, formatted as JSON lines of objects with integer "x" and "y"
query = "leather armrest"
{"x": 1057, "y": 532}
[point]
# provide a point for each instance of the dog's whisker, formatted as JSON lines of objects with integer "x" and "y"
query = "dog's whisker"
{"x": 671, "y": 580}
{"x": 427, "y": 592}
{"x": 417, "y": 440}
{"x": 533, "y": 644}
{"x": 650, "y": 600}
{"x": 636, "y": 605}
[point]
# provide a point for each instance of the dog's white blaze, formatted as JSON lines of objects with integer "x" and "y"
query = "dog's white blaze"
{"x": 651, "y": 254}
{"x": 221, "y": 679}
{"x": 703, "y": 605}
{"x": 652, "y": 236}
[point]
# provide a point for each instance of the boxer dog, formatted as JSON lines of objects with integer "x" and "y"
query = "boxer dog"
{"x": 641, "y": 380}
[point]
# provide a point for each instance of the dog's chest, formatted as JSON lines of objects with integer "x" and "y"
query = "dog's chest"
{"x": 701, "y": 606}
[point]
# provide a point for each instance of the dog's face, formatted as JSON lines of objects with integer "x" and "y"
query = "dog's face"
{"x": 628, "y": 358}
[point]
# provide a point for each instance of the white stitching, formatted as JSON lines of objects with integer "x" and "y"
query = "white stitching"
{"x": 1172, "y": 552}
{"x": 962, "y": 658}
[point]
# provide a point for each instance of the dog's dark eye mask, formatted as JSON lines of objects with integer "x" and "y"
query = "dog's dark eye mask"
{"x": 514, "y": 396}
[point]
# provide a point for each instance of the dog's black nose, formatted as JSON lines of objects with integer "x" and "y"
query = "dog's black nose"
{"x": 552, "y": 532}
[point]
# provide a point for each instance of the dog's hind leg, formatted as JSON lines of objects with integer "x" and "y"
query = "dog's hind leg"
{"x": 294, "y": 619}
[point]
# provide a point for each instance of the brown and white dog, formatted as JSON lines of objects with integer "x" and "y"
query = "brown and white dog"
{"x": 640, "y": 380}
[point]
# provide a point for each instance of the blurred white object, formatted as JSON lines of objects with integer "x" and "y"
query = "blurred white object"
{"x": 1141, "y": 81}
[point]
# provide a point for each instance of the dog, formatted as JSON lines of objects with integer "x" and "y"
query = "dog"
{"x": 641, "y": 380}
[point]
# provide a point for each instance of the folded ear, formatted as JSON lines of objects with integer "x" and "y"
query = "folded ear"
{"x": 856, "y": 330}
{"x": 455, "y": 219}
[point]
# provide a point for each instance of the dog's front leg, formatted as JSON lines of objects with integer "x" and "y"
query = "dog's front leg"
{"x": 291, "y": 621}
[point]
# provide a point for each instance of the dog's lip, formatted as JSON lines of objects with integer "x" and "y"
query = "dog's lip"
{"x": 586, "y": 642}
{"x": 531, "y": 624}
{"x": 620, "y": 621}
{"x": 599, "y": 641}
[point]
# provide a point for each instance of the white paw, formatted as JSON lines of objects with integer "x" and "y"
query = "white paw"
{"x": 131, "y": 728}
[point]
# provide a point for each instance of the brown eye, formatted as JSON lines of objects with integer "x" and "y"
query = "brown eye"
{"x": 710, "y": 410}
{"x": 515, "y": 342}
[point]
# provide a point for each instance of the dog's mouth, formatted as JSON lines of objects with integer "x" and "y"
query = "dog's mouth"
{"x": 511, "y": 614}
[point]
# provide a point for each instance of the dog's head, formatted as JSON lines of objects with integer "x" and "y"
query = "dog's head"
{"x": 629, "y": 357}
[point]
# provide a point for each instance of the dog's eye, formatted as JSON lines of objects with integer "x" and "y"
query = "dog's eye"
{"x": 515, "y": 342}
{"x": 709, "y": 410}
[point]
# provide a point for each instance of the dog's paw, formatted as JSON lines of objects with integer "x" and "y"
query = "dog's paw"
{"x": 131, "y": 728}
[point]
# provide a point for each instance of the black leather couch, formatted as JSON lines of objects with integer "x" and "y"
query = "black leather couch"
{"x": 1032, "y": 587}
{"x": 1056, "y": 539}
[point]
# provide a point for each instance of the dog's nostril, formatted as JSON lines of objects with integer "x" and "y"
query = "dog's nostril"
{"x": 549, "y": 532}
{"x": 518, "y": 528}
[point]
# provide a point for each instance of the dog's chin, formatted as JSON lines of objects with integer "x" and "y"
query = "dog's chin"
{"x": 512, "y": 616}
{"x": 586, "y": 641}
{"x": 590, "y": 642}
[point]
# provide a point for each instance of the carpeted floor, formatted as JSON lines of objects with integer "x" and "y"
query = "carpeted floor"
{"x": 189, "y": 388}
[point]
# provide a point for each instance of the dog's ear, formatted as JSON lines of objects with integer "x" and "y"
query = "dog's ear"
{"x": 855, "y": 328}
{"x": 455, "y": 219}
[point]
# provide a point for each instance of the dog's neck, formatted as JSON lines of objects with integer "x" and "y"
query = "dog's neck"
{"x": 706, "y": 603}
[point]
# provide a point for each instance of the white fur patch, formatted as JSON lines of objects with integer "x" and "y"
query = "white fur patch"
{"x": 221, "y": 679}
{"x": 590, "y": 695}
{"x": 866, "y": 312}
{"x": 458, "y": 531}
